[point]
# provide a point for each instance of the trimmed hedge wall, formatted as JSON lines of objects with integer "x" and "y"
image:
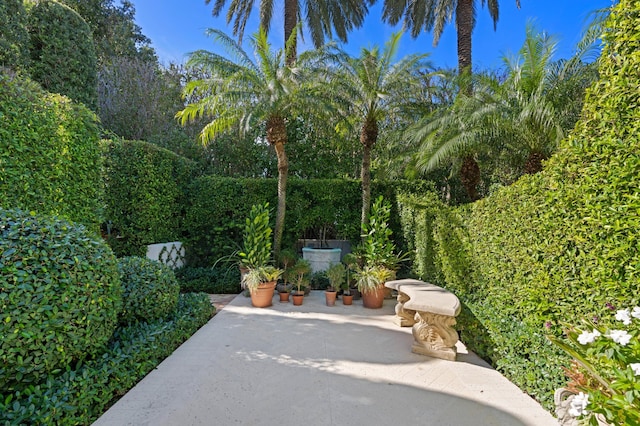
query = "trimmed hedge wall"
{"x": 79, "y": 396}
{"x": 59, "y": 296}
{"x": 63, "y": 57}
{"x": 219, "y": 207}
{"x": 560, "y": 245}
{"x": 49, "y": 154}
{"x": 145, "y": 195}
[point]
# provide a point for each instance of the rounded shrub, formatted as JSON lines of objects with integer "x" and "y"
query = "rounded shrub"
{"x": 150, "y": 289}
{"x": 59, "y": 296}
{"x": 63, "y": 57}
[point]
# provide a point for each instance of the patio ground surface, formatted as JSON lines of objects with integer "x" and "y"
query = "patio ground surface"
{"x": 317, "y": 365}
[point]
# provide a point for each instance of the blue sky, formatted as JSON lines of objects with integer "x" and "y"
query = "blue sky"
{"x": 176, "y": 27}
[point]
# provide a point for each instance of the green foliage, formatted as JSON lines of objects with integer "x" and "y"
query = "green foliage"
{"x": 145, "y": 195}
{"x": 49, "y": 154}
{"x": 63, "y": 57}
{"x": 80, "y": 395}
{"x": 215, "y": 280}
{"x": 563, "y": 243}
{"x": 256, "y": 238}
{"x": 418, "y": 215}
{"x": 330, "y": 207}
{"x": 377, "y": 248}
{"x": 59, "y": 296}
{"x": 149, "y": 290}
{"x": 336, "y": 274}
{"x": 14, "y": 39}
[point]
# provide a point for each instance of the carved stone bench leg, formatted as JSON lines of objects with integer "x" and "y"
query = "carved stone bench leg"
{"x": 404, "y": 317}
{"x": 435, "y": 336}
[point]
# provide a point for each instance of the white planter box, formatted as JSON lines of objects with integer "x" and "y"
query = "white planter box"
{"x": 171, "y": 254}
{"x": 321, "y": 259}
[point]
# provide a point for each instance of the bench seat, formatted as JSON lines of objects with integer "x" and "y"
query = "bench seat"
{"x": 431, "y": 311}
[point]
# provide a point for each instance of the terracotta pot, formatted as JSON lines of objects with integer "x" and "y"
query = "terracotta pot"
{"x": 284, "y": 297}
{"x": 262, "y": 296}
{"x": 347, "y": 299}
{"x": 373, "y": 299}
{"x": 330, "y": 297}
{"x": 297, "y": 299}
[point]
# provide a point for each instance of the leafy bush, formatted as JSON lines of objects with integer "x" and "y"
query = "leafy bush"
{"x": 63, "y": 57}
{"x": 59, "y": 296}
{"x": 14, "y": 39}
{"x": 81, "y": 395}
{"x": 563, "y": 243}
{"x": 149, "y": 289}
{"x": 215, "y": 280}
{"x": 145, "y": 195}
{"x": 49, "y": 154}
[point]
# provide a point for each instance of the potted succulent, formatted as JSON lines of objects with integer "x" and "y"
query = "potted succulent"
{"x": 300, "y": 276}
{"x": 370, "y": 280}
{"x": 260, "y": 277}
{"x": 335, "y": 273}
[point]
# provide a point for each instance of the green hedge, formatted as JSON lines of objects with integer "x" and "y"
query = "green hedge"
{"x": 145, "y": 195}
{"x": 59, "y": 296}
{"x": 561, "y": 245}
{"x": 63, "y": 57}
{"x": 14, "y": 38}
{"x": 223, "y": 279}
{"x": 219, "y": 206}
{"x": 49, "y": 154}
{"x": 149, "y": 290}
{"x": 81, "y": 395}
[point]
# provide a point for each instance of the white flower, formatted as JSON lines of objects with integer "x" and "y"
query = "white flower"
{"x": 620, "y": 336}
{"x": 635, "y": 366}
{"x": 586, "y": 337}
{"x": 624, "y": 315}
{"x": 636, "y": 312}
{"x": 579, "y": 404}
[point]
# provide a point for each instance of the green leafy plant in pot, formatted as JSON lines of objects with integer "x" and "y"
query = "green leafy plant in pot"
{"x": 336, "y": 274}
{"x": 260, "y": 278}
{"x": 299, "y": 274}
{"x": 378, "y": 260}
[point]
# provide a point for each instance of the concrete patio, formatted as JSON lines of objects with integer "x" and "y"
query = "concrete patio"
{"x": 318, "y": 365}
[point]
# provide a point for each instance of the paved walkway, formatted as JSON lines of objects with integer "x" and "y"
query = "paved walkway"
{"x": 315, "y": 365}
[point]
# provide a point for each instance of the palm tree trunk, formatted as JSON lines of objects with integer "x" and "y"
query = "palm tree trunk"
{"x": 290, "y": 22}
{"x": 277, "y": 136}
{"x": 534, "y": 163}
{"x": 464, "y": 28}
{"x": 368, "y": 137}
{"x": 470, "y": 176}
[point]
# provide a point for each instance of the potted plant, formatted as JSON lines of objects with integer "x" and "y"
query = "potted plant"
{"x": 260, "y": 278}
{"x": 378, "y": 258}
{"x": 300, "y": 276}
{"x": 287, "y": 259}
{"x": 335, "y": 273}
{"x": 351, "y": 262}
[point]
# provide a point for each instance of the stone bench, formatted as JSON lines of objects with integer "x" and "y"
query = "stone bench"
{"x": 432, "y": 312}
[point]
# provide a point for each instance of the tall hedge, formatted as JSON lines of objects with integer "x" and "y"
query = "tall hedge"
{"x": 63, "y": 57}
{"x": 50, "y": 159}
{"x": 145, "y": 195}
{"x": 315, "y": 207}
{"x": 561, "y": 245}
{"x": 14, "y": 39}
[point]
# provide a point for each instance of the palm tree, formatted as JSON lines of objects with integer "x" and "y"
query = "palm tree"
{"x": 524, "y": 115}
{"x": 432, "y": 15}
{"x": 374, "y": 86}
{"x": 241, "y": 93}
{"x": 321, "y": 17}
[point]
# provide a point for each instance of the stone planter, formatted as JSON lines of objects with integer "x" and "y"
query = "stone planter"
{"x": 321, "y": 259}
{"x": 171, "y": 254}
